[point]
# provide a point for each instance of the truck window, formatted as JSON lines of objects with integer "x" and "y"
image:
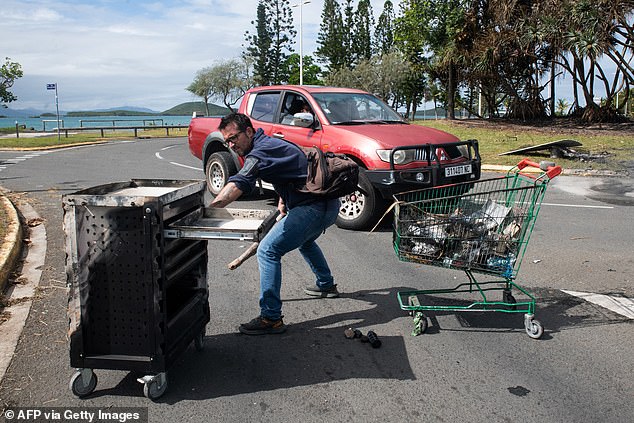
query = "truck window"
{"x": 264, "y": 106}
{"x": 293, "y": 103}
{"x": 354, "y": 107}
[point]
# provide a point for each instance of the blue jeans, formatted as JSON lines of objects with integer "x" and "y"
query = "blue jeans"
{"x": 301, "y": 226}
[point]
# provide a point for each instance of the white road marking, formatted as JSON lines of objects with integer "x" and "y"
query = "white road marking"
{"x": 20, "y": 159}
{"x": 620, "y": 305}
{"x": 188, "y": 167}
{"x": 579, "y": 206}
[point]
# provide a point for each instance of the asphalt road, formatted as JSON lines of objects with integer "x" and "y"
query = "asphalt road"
{"x": 469, "y": 366}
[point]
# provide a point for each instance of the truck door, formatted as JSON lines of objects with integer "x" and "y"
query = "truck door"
{"x": 287, "y": 127}
{"x": 262, "y": 110}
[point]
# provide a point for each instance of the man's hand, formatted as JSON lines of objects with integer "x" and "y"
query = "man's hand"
{"x": 226, "y": 196}
{"x": 281, "y": 207}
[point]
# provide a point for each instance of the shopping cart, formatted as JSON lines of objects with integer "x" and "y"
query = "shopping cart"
{"x": 481, "y": 227}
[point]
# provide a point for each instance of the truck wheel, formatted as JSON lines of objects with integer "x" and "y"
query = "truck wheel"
{"x": 220, "y": 167}
{"x": 360, "y": 209}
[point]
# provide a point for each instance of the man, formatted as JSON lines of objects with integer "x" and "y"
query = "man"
{"x": 304, "y": 216}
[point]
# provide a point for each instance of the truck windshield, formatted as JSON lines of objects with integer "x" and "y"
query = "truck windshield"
{"x": 347, "y": 108}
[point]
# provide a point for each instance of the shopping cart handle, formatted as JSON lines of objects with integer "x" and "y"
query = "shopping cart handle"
{"x": 551, "y": 170}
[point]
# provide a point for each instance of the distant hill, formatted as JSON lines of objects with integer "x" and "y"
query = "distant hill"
{"x": 111, "y": 112}
{"x": 187, "y": 109}
{"x": 21, "y": 113}
{"x": 183, "y": 109}
{"x": 144, "y": 110}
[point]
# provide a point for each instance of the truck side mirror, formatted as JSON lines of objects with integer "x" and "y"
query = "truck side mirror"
{"x": 305, "y": 120}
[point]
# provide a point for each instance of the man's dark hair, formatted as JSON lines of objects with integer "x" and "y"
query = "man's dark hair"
{"x": 241, "y": 120}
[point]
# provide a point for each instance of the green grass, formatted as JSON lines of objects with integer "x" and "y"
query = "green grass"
{"x": 83, "y": 137}
{"x": 498, "y": 137}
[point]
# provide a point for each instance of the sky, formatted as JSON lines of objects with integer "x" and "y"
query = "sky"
{"x": 112, "y": 53}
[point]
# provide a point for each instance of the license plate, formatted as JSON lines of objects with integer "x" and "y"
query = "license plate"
{"x": 457, "y": 170}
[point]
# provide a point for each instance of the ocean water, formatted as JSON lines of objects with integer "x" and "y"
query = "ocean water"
{"x": 49, "y": 123}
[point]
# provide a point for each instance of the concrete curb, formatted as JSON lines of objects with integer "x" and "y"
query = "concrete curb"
{"x": 12, "y": 246}
{"x": 571, "y": 172}
{"x": 21, "y": 295}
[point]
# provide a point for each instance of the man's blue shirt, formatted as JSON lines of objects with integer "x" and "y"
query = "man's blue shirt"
{"x": 278, "y": 162}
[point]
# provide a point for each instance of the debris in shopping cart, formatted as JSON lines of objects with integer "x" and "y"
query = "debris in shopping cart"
{"x": 489, "y": 217}
{"x": 503, "y": 264}
{"x": 424, "y": 248}
{"x": 428, "y": 229}
{"x": 467, "y": 234}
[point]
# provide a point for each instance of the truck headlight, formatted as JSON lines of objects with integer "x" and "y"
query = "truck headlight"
{"x": 400, "y": 156}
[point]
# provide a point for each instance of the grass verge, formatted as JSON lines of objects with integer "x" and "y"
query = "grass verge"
{"x": 26, "y": 139}
{"x": 615, "y": 145}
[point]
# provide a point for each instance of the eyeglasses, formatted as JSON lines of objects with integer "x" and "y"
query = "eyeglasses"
{"x": 232, "y": 139}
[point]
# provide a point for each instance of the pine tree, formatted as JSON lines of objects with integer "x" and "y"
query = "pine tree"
{"x": 259, "y": 46}
{"x": 347, "y": 34}
{"x": 384, "y": 33}
{"x": 331, "y": 50}
{"x": 283, "y": 38}
{"x": 362, "y": 32}
{"x": 272, "y": 43}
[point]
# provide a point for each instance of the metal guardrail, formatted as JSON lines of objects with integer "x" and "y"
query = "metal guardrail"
{"x": 152, "y": 121}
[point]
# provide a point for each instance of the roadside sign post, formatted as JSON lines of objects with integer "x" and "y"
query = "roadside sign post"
{"x": 54, "y": 87}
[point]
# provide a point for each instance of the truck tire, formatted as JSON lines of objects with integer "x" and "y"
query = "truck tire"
{"x": 362, "y": 208}
{"x": 220, "y": 167}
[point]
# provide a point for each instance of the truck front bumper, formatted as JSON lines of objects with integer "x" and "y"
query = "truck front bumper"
{"x": 436, "y": 173}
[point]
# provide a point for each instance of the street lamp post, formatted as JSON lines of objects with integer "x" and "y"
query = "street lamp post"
{"x": 301, "y": 39}
{"x": 54, "y": 87}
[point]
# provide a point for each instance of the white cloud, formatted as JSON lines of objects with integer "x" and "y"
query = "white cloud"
{"x": 108, "y": 53}
{"x": 41, "y": 14}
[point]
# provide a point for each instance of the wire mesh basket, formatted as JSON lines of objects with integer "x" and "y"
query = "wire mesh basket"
{"x": 480, "y": 227}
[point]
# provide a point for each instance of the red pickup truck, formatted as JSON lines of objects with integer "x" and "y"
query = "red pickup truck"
{"x": 394, "y": 156}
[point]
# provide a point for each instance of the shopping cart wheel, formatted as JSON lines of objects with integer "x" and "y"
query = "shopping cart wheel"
{"x": 83, "y": 382}
{"x": 420, "y": 323}
{"x": 154, "y": 386}
{"x": 534, "y": 328}
{"x": 199, "y": 341}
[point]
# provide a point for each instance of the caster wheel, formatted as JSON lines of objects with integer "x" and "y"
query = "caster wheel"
{"x": 420, "y": 324}
{"x": 199, "y": 341}
{"x": 534, "y": 329}
{"x": 83, "y": 383}
{"x": 155, "y": 387}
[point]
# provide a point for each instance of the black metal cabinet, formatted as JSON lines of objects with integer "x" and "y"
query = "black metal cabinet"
{"x": 137, "y": 299}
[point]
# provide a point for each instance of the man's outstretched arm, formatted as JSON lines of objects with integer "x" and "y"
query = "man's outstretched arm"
{"x": 226, "y": 196}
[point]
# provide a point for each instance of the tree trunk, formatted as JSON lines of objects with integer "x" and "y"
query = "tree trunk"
{"x": 552, "y": 88}
{"x": 451, "y": 93}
